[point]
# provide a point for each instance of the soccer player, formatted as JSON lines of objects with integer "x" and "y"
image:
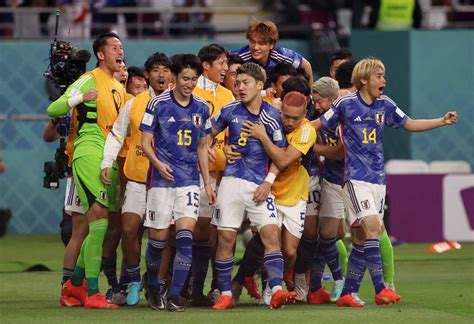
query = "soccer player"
{"x": 157, "y": 68}
{"x": 213, "y": 59}
{"x": 229, "y": 80}
{"x": 95, "y": 116}
{"x": 175, "y": 129}
{"x": 240, "y": 190}
{"x": 363, "y": 116}
{"x": 122, "y": 74}
{"x": 279, "y": 74}
{"x": 343, "y": 77}
{"x": 337, "y": 58}
{"x": 291, "y": 187}
{"x": 324, "y": 92}
{"x": 136, "y": 81}
{"x": 263, "y": 50}
{"x": 72, "y": 203}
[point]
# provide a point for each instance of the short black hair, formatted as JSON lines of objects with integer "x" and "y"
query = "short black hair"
{"x": 212, "y": 52}
{"x": 340, "y": 54}
{"x": 101, "y": 40}
{"x": 344, "y": 74}
{"x": 179, "y": 62}
{"x": 279, "y": 70}
{"x": 157, "y": 58}
{"x": 296, "y": 83}
{"x": 135, "y": 71}
{"x": 235, "y": 59}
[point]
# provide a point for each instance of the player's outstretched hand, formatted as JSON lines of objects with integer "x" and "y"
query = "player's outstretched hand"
{"x": 211, "y": 195}
{"x": 104, "y": 176}
{"x": 165, "y": 171}
{"x": 261, "y": 194}
{"x": 231, "y": 153}
{"x": 90, "y": 95}
{"x": 450, "y": 118}
{"x": 256, "y": 130}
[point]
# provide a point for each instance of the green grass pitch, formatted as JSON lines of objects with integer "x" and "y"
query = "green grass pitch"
{"x": 435, "y": 288}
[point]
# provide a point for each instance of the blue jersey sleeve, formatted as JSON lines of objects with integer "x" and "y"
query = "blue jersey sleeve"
{"x": 274, "y": 127}
{"x": 330, "y": 118}
{"x": 206, "y": 125}
{"x": 394, "y": 116}
{"x": 149, "y": 122}
{"x": 289, "y": 56}
{"x": 221, "y": 120}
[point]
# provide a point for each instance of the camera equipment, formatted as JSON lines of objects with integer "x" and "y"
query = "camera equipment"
{"x": 55, "y": 170}
{"x": 66, "y": 64}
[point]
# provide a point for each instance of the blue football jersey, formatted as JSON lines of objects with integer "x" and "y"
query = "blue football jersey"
{"x": 361, "y": 133}
{"x": 254, "y": 163}
{"x": 277, "y": 55}
{"x": 177, "y": 131}
{"x": 333, "y": 169}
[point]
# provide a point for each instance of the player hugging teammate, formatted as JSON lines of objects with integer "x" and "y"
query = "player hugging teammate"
{"x": 197, "y": 164}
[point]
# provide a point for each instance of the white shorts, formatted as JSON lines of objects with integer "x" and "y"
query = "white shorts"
{"x": 292, "y": 217}
{"x": 235, "y": 200}
{"x": 134, "y": 200}
{"x": 363, "y": 199}
{"x": 314, "y": 200}
{"x": 166, "y": 205}
{"x": 72, "y": 202}
{"x": 332, "y": 202}
{"x": 205, "y": 210}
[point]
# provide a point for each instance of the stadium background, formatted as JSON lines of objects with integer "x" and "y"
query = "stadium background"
{"x": 428, "y": 72}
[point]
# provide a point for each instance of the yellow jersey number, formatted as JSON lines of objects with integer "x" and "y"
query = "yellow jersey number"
{"x": 184, "y": 137}
{"x": 372, "y": 136}
{"x": 242, "y": 141}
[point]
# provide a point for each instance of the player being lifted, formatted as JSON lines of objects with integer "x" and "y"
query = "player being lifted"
{"x": 157, "y": 71}
{"x": 263, "y": 50}
{"x": 95, "y": 116}
{"x": 363, "y": 116}
{"x": 175, "y": 129}
{"x": 241, "y": 191}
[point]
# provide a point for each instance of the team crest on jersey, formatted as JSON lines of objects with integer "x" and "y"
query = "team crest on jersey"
{"x": 365, "y": 204}
{"x": 197, "y": 120}
{"x": 380, "y": 117}
{"x": 77, "y": 201}
{"x": 103, "y": 195}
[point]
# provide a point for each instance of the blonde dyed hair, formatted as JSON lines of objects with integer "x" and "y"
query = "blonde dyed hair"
{"x": 267, "y": 30}
{"x": 364, "y": 69}
{"x": 326, "y": 87}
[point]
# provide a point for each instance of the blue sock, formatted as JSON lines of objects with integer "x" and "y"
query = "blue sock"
{"x": 374, "y": 263}
{"x": 67, "y": 274}
{"x": 224, "y": 273}
{"x": 133, "y": 271}
{"x": 109, "y": 267}
{"x": 153, "y": 258}
{"x": 305, "y": 253}
{"x": 124, "y": 277}
{"x": 355, "y": 270}
{"x": 200, "y": 264}
{"x": 273, "y": 262}
{"x": 331, "y": 255}
{"x": 182, "y": 261}
{"x": 316, "y": 271}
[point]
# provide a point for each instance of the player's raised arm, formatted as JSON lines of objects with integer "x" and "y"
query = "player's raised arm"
{"x": 421, "y": 125}
{"x": 307, "y": 70}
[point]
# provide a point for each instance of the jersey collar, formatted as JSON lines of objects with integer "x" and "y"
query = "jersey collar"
{"x": 206, "y": 84}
